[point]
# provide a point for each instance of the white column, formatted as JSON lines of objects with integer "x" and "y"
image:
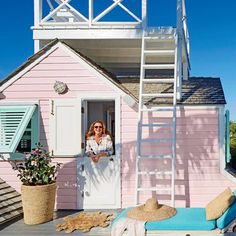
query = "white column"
{"x": 179, "y": 35}
{"x": 37, "y": 12}
{"x": 144, "y": 14}
{"x": 90, "y": 12}
{"x": 37, "y": 45}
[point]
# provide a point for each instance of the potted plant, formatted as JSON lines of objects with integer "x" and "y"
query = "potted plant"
{"x": 38, "y": 190}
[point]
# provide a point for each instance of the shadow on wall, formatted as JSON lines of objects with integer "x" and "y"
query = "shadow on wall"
{"x": 197, "y": 158}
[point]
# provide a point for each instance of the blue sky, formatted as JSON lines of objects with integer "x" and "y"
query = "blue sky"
{"x": 212, "y": 28}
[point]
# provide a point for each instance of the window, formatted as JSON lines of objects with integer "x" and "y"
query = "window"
{"x": 18, "y": 128}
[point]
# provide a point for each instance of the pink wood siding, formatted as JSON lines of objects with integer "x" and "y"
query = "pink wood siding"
{"x": 37, "y": 84}
{"x": 198, "y": 175}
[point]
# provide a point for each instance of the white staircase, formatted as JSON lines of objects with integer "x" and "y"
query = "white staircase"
{"x": 146, "y": 106}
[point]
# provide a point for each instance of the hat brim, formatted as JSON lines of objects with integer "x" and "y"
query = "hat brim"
{"x": 163, "y": 212}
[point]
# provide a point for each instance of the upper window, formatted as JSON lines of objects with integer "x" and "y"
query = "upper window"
{"x": 16, "y": 128}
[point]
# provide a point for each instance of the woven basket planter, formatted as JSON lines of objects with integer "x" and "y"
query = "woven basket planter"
{"x": 38, "y": 203}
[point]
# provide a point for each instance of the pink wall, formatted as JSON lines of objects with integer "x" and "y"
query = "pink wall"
{"x": 37, "y": 84}
{"x": 198, "y": 177}
{"x": 197, "y": 137}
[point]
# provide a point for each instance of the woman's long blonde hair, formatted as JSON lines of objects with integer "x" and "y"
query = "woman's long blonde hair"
{"x": 91, "y": 129}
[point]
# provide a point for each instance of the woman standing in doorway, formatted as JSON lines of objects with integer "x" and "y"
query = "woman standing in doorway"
{"x": 98, "y": 141}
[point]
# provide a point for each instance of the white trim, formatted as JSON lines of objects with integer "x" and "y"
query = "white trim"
{"x": 117, "y": 99}
{"x": 50, "y": 32}
{"x": 221, "y": 135}
{"x": 25, "y": 70}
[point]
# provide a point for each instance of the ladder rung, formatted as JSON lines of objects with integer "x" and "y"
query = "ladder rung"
{"x": 158, "y": 109}
{"x": 159, "y": 95}
{"x": 159, "y": 52}
{"x": 157, "y": 125}
{"x": 159, "y": 66}
{"x": 154, "y": 189}
{"x": 156, "y": 156}
{"x": 171, "y": 80}
{"x": 157, "y": 140}
{"x": 155, "y": 172}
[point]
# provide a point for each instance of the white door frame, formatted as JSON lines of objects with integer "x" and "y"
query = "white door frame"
{"x": 117, "y": 99}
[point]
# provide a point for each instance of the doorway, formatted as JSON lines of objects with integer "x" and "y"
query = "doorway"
{"x": 102, "y": 179}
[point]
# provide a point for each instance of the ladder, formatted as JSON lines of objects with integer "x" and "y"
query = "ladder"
{"x": 146, "y": 53}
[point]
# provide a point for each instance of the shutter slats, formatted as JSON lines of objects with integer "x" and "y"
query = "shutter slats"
{"x": 13, "y": 122}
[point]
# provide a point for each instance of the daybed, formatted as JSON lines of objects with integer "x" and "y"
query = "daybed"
{"x": 190, "y": 221}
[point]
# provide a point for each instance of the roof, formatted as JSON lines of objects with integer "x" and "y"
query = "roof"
{"x": 197, "y": 90}
{"x": 10, "y": 203}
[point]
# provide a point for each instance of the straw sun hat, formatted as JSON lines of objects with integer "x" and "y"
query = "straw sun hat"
{"x": 151, "y": 211}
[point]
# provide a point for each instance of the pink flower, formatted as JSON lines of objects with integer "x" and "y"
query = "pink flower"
{"x": 33, "y": 163}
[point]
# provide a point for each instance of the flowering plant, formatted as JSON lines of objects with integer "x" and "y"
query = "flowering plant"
{"x": 38, "y": 168}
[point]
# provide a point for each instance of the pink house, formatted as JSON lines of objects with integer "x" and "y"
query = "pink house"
{"x": 103, "y": 83}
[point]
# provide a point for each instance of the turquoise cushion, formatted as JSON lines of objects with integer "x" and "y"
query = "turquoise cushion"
{"x": 185, "y": 219}
{"x": 228, "y": 216}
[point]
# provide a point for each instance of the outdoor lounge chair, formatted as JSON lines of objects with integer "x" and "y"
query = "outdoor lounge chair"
{"x": 191, "y": 221}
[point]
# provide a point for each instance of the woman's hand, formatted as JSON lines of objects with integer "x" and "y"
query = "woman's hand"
{"x": 95, "y": 158}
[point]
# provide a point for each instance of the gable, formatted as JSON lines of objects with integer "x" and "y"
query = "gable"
{"x": 61, "y": 64}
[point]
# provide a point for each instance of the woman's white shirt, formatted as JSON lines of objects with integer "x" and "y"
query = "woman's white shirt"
{"x": 104, "y": 145}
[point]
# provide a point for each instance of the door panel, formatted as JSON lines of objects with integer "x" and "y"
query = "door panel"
{"x": 101, "y": 183}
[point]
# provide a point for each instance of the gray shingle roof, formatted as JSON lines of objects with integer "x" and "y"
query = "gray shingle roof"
{"x": 10, "y": 203}
{"x": 197, "y": 90}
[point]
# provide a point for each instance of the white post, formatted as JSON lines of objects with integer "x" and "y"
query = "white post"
{"x": 179, "y": 35}
{"x": 37, "y": 45}
{"x": 90, "y": 12}
{"x": 144, "y": 14}
{"x": 37, "y": 12}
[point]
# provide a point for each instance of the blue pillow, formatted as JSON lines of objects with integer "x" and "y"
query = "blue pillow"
{"x": 228, "y": 216}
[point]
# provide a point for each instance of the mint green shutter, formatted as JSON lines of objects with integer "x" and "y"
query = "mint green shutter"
{"x": 13, "y": 122}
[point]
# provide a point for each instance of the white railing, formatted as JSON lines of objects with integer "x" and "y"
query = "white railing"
{"x": 61, "y": 12}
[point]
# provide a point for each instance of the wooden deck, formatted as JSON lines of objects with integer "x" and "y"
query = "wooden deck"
{"x": 48, "y": 229}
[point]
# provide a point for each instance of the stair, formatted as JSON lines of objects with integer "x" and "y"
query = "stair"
{"x": 10, "y": 203}
{"x": 146, "y": 106}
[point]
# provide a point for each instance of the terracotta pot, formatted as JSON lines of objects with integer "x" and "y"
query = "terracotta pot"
{"x": 38, "y": 203}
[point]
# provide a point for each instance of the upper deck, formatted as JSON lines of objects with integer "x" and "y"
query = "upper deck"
{"x": 108, "y": 31}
